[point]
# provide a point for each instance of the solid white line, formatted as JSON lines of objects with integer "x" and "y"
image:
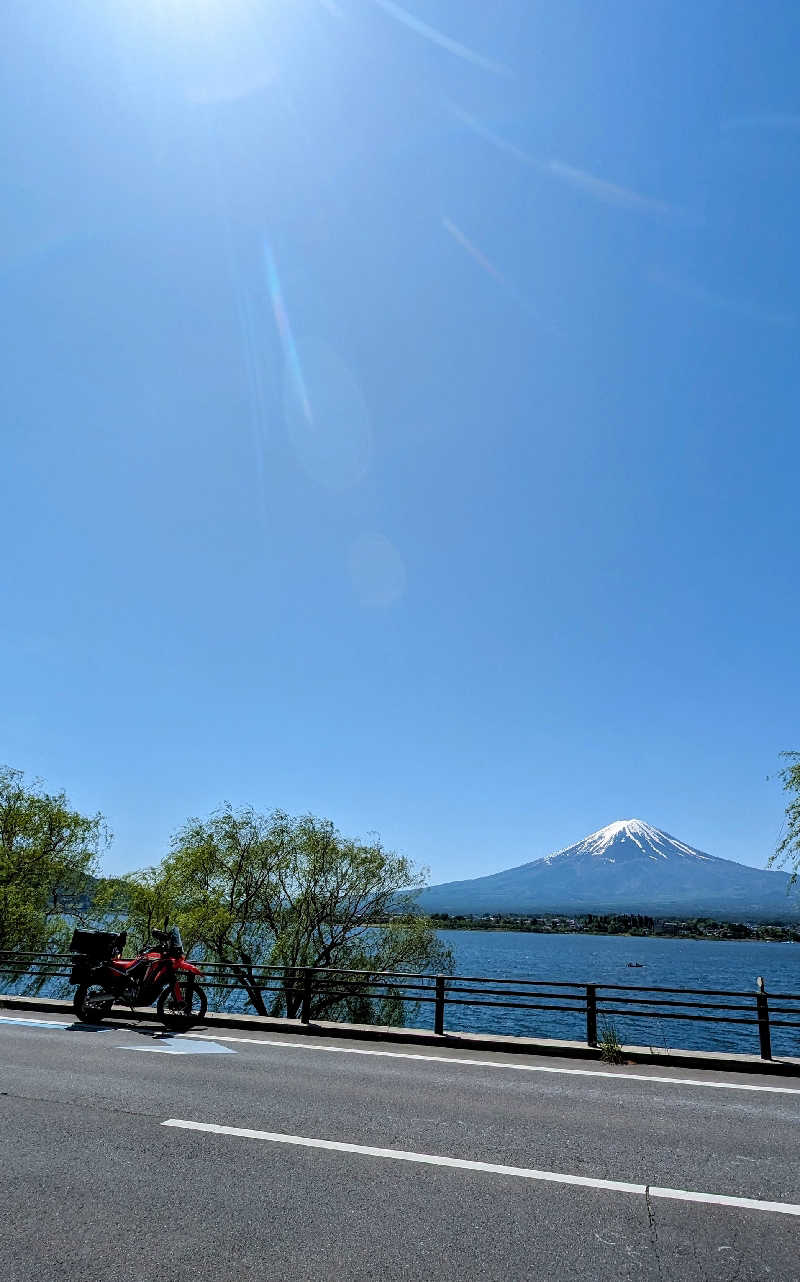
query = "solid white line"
{"x": 484, "y": 1063}
{"x": 489, "y": 1168}
{"x": 446, "y": 1059}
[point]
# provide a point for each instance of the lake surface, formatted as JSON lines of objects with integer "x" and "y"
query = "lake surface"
{"x": 669, "y": 963}
{"x": 599, "y": 959}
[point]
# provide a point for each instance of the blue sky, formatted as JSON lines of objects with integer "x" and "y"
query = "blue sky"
{"x": 400, "y": 416}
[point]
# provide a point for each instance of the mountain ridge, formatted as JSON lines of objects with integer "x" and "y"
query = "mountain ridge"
{"x": 627, "y": 866}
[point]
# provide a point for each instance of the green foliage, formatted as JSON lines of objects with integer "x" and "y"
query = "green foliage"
{"x": 253, "y": 890}
{"x": 48, "y": 852}
{"x": 788, "y": 849}
{"x": 137, "y": 902}
{"x": 609, "y": 1045}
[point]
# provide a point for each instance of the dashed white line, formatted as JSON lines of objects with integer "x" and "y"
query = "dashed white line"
{"x": 490, "y": 1168}
{"x": 722, "y": 1199}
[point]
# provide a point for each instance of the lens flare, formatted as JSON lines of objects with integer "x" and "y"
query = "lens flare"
{"x": 488, "y": 266}
{"x": 437, "y": 37}
{"x": 290, "y": 352}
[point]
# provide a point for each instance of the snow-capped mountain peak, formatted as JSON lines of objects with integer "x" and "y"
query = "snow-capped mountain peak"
{"x": 628, "y": 834}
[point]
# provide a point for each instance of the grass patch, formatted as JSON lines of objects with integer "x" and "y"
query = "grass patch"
{"x": 609, "y": 1045}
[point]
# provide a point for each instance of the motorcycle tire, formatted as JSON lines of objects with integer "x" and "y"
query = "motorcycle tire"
{"x": 90, "y": 1012}
{"x": 180, "y": 1016}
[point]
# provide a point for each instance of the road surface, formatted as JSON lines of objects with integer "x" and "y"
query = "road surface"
{"x": 126, "y": 1154}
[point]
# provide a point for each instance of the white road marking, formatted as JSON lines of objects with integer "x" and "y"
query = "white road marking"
{"x": 722, "y": 1199}
{"x": 491, "y": 1168}
{"x": 446, "y": 1059}
{"x": 486, "y": 1063}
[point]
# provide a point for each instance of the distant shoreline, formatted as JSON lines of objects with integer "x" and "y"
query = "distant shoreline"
{"x": 634, "y": 926}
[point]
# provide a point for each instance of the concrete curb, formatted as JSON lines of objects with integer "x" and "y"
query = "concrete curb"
{"x": 786, "y": 1066}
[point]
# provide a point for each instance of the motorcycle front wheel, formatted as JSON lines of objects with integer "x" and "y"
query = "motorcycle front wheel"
{"x": 91, "y": 1003}
{"x": 180, "y": 1015}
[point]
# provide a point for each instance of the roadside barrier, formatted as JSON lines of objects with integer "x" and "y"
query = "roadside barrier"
{"x": 309, "y": 992}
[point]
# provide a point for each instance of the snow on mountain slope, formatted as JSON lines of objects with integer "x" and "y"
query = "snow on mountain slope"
{"x": 628, "y": 866}
{"x": 618, "y": 836}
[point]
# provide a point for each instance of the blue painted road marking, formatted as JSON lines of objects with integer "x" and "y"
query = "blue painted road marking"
{"x": 35, "y": 1023}
{"x": 165, "y": 1044}
{"x": 170, "y": 1046}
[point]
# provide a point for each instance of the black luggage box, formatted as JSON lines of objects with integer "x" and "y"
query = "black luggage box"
{"x": 97, "y": 944}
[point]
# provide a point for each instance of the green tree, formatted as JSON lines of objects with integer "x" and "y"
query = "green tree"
{"x": 254, "y": 890}
{"x": 788, "y": 849}
{"x": 48, "y": 852}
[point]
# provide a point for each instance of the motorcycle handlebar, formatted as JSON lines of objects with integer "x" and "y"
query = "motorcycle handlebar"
{"x": 162, "y": 945}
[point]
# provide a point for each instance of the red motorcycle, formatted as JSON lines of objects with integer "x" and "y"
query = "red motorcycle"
{"x": 159, "y": 973}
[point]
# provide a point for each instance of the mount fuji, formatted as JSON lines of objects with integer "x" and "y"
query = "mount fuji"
{"x": 628, "y": 866}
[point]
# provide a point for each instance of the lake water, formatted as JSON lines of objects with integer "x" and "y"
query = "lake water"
{"x": 669, "y": 963}
{"x": 598, "y": 959}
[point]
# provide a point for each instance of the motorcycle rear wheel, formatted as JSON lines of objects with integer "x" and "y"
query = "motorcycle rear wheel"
{"x": 86, "y": 1005}
{"x": 179, "y": 1016}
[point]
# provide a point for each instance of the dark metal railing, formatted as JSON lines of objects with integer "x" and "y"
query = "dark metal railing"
{"x": 314, "y": 990}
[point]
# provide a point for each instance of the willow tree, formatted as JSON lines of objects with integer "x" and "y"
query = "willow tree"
{"x": 255, "y": 890}
{"x": 788, "y": 848}
{"x": 48, "y": 853}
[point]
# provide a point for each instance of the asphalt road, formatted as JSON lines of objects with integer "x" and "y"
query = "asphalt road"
{"x": 360, "y": 1162}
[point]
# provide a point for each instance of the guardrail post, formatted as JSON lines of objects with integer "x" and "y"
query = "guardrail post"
{"x": 591, "y": 1014}
{"x": 308, "y": 989}
{"x": 438, "y": 1010}
{"x": 762, "y": 1008}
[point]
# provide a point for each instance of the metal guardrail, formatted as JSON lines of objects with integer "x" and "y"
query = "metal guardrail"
{"x": 307, "y": 986}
